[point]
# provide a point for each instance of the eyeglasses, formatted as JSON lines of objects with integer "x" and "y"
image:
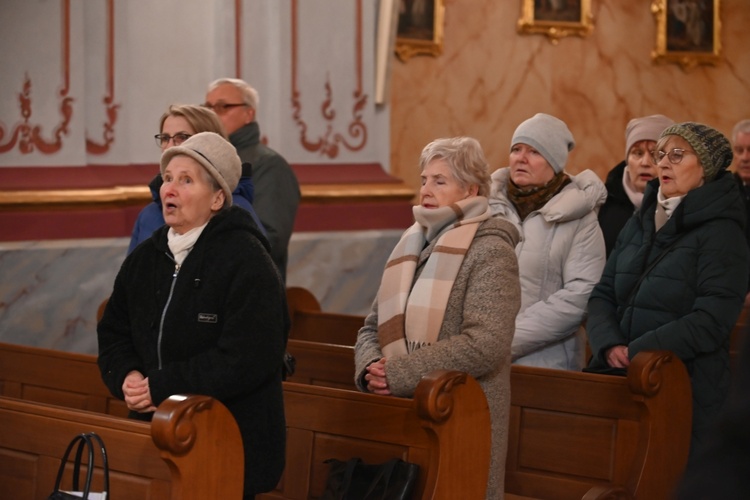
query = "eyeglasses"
{"x": 221, "y": 107}
{"x": 177, "y": 139}
{"x": 675, "y": 155}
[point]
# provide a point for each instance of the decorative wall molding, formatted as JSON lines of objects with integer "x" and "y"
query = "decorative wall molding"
{"x": 99, "y": 148}
{"x": 27, "y": 135}
{"x": 329, "y": 141}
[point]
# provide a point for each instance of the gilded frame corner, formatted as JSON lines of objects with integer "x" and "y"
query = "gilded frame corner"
{"x": 684, "y": 37}
{"x": 421, "y": 34}
{"x": 555, "y": 23}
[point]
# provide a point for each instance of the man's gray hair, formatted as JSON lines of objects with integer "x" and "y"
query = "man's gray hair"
{"x": 743, "y": 126}
{"x": 249, "y": 94}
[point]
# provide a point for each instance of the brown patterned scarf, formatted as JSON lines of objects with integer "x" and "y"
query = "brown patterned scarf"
{"x": 526, "y": 200}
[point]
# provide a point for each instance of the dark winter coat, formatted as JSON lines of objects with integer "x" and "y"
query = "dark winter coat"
{"x": 151, "y": 217}
{"x": 689, "y": 302}
{"x": 216, "y": 326}
{"x": 617, "y": 209}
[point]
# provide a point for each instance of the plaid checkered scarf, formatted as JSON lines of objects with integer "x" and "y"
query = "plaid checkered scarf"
{"x": 411, "y": 317}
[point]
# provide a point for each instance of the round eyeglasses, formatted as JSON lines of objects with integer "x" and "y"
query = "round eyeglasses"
{"x": 674, "y": 156}
{"x": 163, "y": 139}
{"x": 221, "y": 107}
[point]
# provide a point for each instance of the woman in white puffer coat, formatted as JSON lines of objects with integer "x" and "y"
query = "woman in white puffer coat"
{"x": 561, "y": 254}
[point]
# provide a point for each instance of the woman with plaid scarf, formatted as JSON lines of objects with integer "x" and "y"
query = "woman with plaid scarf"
{"x": 449, "y": 293}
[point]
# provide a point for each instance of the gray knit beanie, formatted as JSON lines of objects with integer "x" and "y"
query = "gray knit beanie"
{"x": 548, "y": 135}
{"x": 215, "y": 154}
{"x": 713, "y": 149}
{"x": 646, "y": 128}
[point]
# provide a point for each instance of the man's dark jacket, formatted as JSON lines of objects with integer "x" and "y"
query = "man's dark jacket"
{"x": 277, "y": 191}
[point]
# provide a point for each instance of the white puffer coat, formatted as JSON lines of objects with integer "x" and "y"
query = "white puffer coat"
{"x": 560, "y": 258}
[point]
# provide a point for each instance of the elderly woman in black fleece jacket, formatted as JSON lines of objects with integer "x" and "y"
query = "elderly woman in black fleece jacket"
{"x": 199, "y": 308}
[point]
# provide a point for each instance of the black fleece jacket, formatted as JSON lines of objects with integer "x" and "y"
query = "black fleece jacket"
{"x": 216, "y": 326}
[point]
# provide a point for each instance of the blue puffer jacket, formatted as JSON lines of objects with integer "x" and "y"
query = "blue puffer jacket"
{"x": 689, "y": 301}
{"x": 151, "y": 218}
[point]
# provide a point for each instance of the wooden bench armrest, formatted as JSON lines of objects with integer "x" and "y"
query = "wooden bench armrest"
{"x": 175, "y": 431}
{"x": 663, "y": 451}
{"x": 453, "y": 410}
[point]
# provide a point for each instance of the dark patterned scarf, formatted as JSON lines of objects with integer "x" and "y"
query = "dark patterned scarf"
{"x": 526, "y": 200}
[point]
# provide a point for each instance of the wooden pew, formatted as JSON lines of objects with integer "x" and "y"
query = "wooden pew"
{"x": 573, "y": 435}
{"x": 444, "y": 429}
{"x": 192, "y": 450}
{"x": 322, "y": 364}
{"x": 55, "y": 377}
{"x": 310, "y": 323}
{"x": 581, "y": 435}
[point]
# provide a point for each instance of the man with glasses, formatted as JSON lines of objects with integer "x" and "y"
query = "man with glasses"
{"x": 277, "y": 191}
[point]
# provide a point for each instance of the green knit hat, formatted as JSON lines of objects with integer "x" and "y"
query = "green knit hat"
{"x": 713, "y": 149}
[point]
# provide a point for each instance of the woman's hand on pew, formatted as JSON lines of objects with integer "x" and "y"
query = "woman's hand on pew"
{"x": 376, "y": 381}
{"x": 137, "y": 394}
{"x": 617, "y": 356}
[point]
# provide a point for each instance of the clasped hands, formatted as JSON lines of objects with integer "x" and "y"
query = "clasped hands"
{"x": 137, "y": 393}
{"x": 375, "y": 377}
{"x": 617, "y": 356}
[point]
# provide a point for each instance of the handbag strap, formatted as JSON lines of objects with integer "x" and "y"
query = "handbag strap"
{"x": 84, "y": 440}
{"x": 105, "y": 460}
{"x": 79, "y": 440}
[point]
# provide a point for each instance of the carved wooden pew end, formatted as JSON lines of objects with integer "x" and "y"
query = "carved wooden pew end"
{"x": 191, "y": 451}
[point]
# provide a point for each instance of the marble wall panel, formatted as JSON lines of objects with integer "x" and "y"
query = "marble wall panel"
{"x": 50, "y": 290}
{"x": 490, "y": 78}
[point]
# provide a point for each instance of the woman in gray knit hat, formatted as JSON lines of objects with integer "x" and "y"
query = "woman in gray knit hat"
{"x": 199, "y": 308}
{"x": 561, "y": 253}
{"x": 677, "y": 278}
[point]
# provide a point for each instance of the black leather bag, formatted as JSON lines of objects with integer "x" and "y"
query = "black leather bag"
{"x": 90, "y": 442}
{"x": 355, "y": 480}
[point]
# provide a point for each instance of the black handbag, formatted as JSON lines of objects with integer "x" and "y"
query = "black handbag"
{"x": 355, "y": 480}
{"x": 90, "y": 441}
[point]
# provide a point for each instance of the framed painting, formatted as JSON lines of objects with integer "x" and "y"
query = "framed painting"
{"x": 687, "y": 32}
{"x": 556, "y": 18}
{"x": 420, "y": 28}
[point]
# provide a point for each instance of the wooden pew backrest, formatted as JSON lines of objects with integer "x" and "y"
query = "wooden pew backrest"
{"x": 444, "y": 429}
{"x": 55, "y": 377}
{"x": 197, "y": 441}
{"x": 322, "y": 364}
{"x": 575, "y": 434}
{"x": 310, "y": 323}
{"x": 572, "y": 434}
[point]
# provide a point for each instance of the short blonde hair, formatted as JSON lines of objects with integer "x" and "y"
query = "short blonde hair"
{"x": 200, "y": 119}
{"x": 465, "y": 159}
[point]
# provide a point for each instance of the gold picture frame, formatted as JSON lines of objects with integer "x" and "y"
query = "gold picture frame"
{"x": 420, "y": 28}
{"x": 687, "y": 32}
{"x": 556, "y": 18}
